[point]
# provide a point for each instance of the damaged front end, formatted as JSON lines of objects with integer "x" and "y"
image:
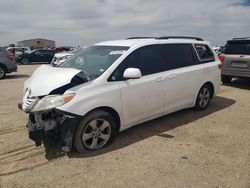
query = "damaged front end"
{"x": 41, "y": 99}
{"x": 58, "y": 122}
{"x": 44, "y": 118}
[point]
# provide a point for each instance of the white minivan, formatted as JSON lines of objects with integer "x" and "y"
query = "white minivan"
{"x": 111, "y": 86}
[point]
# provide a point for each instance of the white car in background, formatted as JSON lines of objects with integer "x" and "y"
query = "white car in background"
{"x": 18, "y": 50}
{"x": 111, "y": 86}
{"x": 59, "y": 58}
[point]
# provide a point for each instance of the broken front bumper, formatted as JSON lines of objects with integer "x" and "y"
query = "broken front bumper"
{"x": 61, "y": 123}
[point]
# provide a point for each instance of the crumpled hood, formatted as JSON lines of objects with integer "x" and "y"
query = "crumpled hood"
{"x": 51, "y": 80}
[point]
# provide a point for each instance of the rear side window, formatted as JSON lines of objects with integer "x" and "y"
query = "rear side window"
{"x": 237, "y": 48}
{"x": 176, "y": 56}
{"x": 204, "y": 53}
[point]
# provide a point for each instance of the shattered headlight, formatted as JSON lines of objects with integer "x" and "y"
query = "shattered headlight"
{"x": 52, "y": 101}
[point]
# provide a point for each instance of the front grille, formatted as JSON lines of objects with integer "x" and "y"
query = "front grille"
{"x": 29, "y": 102}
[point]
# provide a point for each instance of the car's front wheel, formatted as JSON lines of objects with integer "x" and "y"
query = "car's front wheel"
{"x": 2, "y": 72}
{"x": 96, "y": 130}
{"x": 25, "y": 61}
{"x": 203, "y": 97}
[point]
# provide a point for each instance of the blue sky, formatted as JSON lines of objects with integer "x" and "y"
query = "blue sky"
{"x": 83, "y": 22}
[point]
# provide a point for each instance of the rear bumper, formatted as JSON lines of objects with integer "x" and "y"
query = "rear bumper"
{"x": 236, "y": 72}
{"x": 12, "y": 68}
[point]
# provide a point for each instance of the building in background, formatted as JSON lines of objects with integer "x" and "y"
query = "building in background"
{"x": 37, "y": 43}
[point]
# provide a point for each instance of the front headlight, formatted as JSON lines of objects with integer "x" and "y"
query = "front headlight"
{"x": 52, "y": 101}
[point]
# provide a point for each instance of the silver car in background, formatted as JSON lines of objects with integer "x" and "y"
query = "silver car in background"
{"x": 235, "y": 59}
{"x": 59, "y": 58}
{"x": 7, "y": 62}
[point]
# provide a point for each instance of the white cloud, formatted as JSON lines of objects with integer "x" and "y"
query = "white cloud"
{"x": 85, "y": 22}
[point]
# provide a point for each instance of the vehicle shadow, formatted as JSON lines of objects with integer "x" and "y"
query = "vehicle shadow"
{"x": 157, "y": 127}
{"x": 16, "y": 76}
{"x": 241, "y": 83}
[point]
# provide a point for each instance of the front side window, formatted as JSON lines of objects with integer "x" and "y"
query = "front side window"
{"x": 204, "y": 53}
{"x": 147, "y": 59}
{"x": 95, "y": 60}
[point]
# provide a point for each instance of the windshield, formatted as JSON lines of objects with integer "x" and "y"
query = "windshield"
{"x": 95, "y": 60}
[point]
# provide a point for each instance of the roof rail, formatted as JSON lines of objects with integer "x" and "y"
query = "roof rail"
{"x": 168, "y": 37}
{"x": 141, "y": 38}
{"x": 241, "y": 38}
{"x": 180, "y": 37}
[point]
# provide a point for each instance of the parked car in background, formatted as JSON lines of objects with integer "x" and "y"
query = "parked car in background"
{"x": 235, "y": 59}
{"x": 7, "y": 62}
{"x": 218, "y": 49}
{"x": 36, "y": 56}
{"x": 113, "y": 85}
{"x": 18, "y": 50}
{"x": 63, "y": 49}
{"x": 59, "y": 58}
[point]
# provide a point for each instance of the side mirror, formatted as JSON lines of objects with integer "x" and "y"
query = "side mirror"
{"x": 132, "y": 73}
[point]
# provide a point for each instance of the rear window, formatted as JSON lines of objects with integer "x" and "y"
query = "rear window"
{"x": 237, "y": 48}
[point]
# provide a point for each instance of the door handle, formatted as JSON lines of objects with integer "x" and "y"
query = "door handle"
{"x": 160, "y": 79}
{"x": 172, "y": 76}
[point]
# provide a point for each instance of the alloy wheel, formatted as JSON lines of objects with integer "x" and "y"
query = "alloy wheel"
{"x": 96, "y": 134}
{"x": 204, "y": 97}
{"x": 2, "y": 72}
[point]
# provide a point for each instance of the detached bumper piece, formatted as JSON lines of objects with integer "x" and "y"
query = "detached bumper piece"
{"x": 63, "y": 125}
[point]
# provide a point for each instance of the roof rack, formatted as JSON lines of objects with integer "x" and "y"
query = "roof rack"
{"x": 241, "y": 38}
{"x": 180, "y": 37}
{"x": 167, "y": 37}
{"x": 141, "y": 38}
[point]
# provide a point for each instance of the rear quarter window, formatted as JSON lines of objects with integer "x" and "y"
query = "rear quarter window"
{"x": 204, "y": 53}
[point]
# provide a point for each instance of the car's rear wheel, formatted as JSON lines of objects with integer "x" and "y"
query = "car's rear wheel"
{"x": 2, "y": 72}
{"x": 226, "y": 79}
{"x": 96, "y": 131}
{"x": 25, "y": 61}
{"x": 203, "y": 97}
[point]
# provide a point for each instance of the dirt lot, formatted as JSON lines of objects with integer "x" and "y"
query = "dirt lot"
{"x": 185, "y": 149}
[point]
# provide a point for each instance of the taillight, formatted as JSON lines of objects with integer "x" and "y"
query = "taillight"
{"x": 11, "y": 57}
{"x": 222, "y": 58}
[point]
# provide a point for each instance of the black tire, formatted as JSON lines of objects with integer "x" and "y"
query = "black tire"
{"x": 25, "y": 61}
{"x": 226, "y": 79}
{"x": 203, "y": 97}
{"x": 2, "y": 72}
{"x": 99, "y": 117}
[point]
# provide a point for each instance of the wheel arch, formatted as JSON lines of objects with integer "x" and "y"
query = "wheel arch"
{"x": 211, "y": 86}
{"x": 111, "y": 111}
{"x": 4, "y": 66}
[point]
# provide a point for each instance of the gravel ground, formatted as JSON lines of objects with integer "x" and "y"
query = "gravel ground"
{"x": 185, "y": 149}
